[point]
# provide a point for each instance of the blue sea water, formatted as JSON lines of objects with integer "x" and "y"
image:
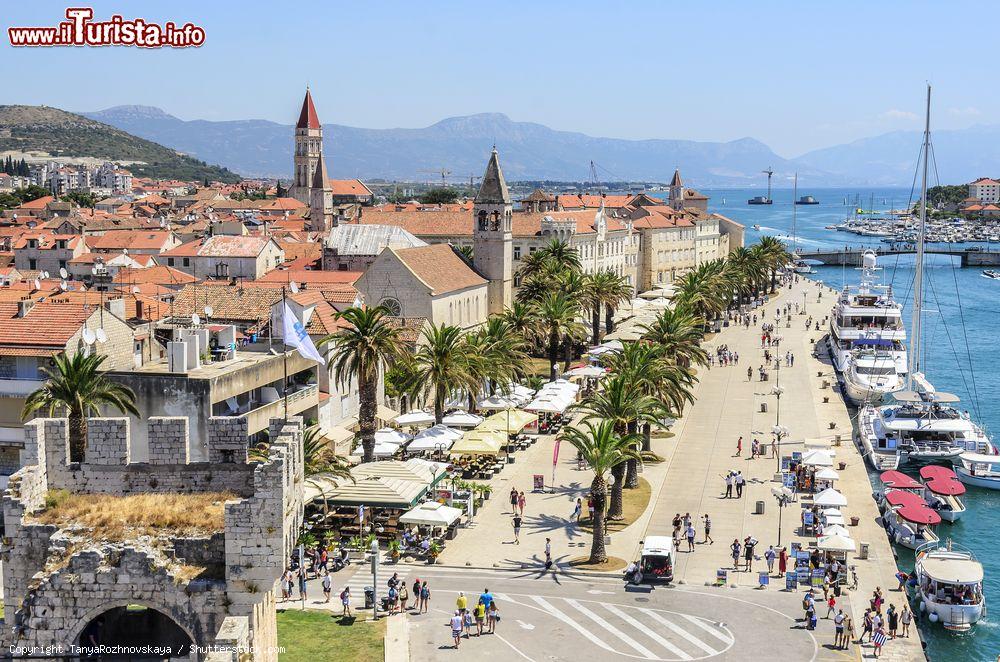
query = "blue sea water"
{"x": 961, "y": 355}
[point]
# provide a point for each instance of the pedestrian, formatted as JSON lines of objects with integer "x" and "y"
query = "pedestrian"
{"x": 736, "y": 554}
{"x": 866, "y": 626}
{"x": 577, "y": 510}
{"x": 893, "y": 619}
{"x": 486, "y": 597}
{"x": 708, "y": 530}
{"x": 404, "y": 596}
{"x": 754, "y": 448}
{"x": 548, "y": 553}
{"x": 480, "y": 614}
{"x": 286, "y": 584}
{"x": 782, "y": 562}
{"x": 901, "y": 577}
{"x": 416, "y": 594}
{"x": 456, "y": 628}
{"x": 749, "y": 373}
{"x": 739, "y": 446}
{"x": 303, "y": 592}
{"x": 690, "y": 536}
{"x": 838, "y": 628}
{"x": 493, "y": 616}
{"x": 517, "y": 529}
{"x": 729, "y": 485}
{"x": 520, "y": 503}
{"x": 831, "y": 605}
{"x": 590, "y": 507}
{"x": 513, "y": 500}
{"x": 677, "y": 536}
{"x": 687, "y": 520}
{"x": 879, "y": 639}
{"x": 740, "y": 481}
{"x": 774, "y": 445}
{"x": 906, "y": 618}
{"x": 393, "y": 599}
{"x": 748, "y": 545}
{"x": 345, "y": 602}
{"x": 461, "y": 603}
{"x": 469, "y": 621}
{"x": 769, "y": 556}
{"x": 425, "y": 597}
{"x": 327, "y": 587}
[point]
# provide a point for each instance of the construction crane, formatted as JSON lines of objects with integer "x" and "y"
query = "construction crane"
{"x": 444, "y": 172}
{"x": 594, "y": 178}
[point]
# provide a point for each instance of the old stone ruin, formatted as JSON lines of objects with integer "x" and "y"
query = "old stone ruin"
{"x": 87, "y": 561}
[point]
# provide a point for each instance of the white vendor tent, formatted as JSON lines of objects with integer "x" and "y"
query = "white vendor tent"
{"x": 431, "y": 514}
{"x": 830, "y": 497}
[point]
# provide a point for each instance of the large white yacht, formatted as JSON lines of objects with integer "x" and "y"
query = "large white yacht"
{"x": 866, "y": 331}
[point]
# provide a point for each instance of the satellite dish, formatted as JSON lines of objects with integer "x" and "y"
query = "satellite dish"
{"x": 195, "y": 319}
{"x": 208, "y": 311}
{"x": 37, "y": 284}
{"x": 63, "y": 285}
{"x": 45, "y": 274}
{"x": 135, "y": 289}
{"x": 294, "y": 287}
{"x": 93, "y": 270}
{"x": 89, "y": 337}
{"x": 63, "y": 273}
{"x": 102, "y": 337}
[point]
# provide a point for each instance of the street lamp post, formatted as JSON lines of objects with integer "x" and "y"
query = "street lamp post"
{"x": 782, "y": 501}
{"x": 777, "y": 391}
{"x": 374, "y": 549}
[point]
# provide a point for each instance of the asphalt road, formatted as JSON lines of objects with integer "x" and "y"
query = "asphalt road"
{"x": 546, "y": 616}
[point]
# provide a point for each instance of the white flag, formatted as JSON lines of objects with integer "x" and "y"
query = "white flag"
{"x": 296, "y": 336}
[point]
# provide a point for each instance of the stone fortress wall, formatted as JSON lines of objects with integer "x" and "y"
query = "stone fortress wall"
{"x": 54, "y": 585}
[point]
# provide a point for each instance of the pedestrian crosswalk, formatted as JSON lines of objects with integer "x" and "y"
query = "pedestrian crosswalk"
{"x": 638, "y": 632}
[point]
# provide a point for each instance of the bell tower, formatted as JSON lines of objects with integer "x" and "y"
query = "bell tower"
{"x": 308, "y": 150}
{"x": 492, "y": 233}
{"x": 676, "y": 196}
{"x": 320, "y": 200}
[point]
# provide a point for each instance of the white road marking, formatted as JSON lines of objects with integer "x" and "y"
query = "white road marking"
{"x": 719, "y": 634}
{"x": 596, "y": 592}
{"x": 526, "y": 626}
{"x": 680, "y": 631}
{"x": 648, "y": 631}
{"x": 642, "y": 650}
{"x": 573, "y": 624}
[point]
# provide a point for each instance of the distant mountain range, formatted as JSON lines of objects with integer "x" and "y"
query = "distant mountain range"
{"x": 533, "y": 151}
{"x": 55, "y": 132}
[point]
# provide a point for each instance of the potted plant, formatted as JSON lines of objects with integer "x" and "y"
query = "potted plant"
{"x": 487, "y": 491}
{"x": 394, "y": 550}
{"x": 355, "y": 548}
{"x": 433, "y": 551}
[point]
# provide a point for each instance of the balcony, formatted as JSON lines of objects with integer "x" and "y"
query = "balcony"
{"x": 18, "y": 388}
{"x": 299, "y": 401}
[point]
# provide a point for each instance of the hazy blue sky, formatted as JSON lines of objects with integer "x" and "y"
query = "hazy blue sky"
{"x": 796, "y": 75}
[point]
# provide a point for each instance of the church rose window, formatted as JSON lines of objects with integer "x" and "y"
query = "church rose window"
{"x": 392, "y": 305}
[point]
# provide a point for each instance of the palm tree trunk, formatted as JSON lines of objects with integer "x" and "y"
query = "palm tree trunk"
{"x": 368, "y": 396}
{"x": 77, "y": 437}
{"x": 647, "y": 434}
{"x": 595, "y": 325}
{"x": 599, "y": 493}
{"x": 632, "y": 466}
{"x": 609, "y": 318}
{"x": 439, "y": 396}
{"x": 615, "y": 511}
{"x": 553, "y": 356}
{"x": 567, "y": 352}
{"x": 774, "y": 277}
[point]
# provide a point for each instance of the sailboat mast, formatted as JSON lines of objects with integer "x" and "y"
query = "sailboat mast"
{"x": 918, "y": 281}
{"x": 795, "y": 206}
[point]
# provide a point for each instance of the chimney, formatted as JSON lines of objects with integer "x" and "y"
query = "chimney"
{"x": 24, "y": 306}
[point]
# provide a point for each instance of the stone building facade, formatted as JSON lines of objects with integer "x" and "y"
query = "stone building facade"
{"x": 59, "y": 581}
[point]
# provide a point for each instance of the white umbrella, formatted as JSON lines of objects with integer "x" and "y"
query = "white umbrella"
{"x": 586, "y": 371}
{"x": 830, "y": 512}
{"x": 836, "y": 544}
{"x": 830, "y": 497}
{"x": 497, "y": 403}
{"x": 415, "y": 417}
{"x": 826, "y": 473}
{"x": 431, "y": 513}
{"x": 388, "y": 435}
{"x": 817, "y": 459}
{"x": 381, "y": 450}
{"x": 836, "y": 530}
{"x": 462, "y": 419}
{"x": 547, "y": 405}
{"x": 438, "y": 437}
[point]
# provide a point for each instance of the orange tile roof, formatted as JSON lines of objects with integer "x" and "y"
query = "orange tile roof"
{"x": 221, "y": 246}
{"x": 159, "y": 275}
{"x": 45, "y": 325}
{"x": 459, "y": 224}
{"x": 131, "y": 239}
{"x": 349, "y": 187}
{"x": 38, "y": 203}
{"x": 985, "y": 180}
{"x": 439, "y": 267}
{"x": 309, "y": 277}
{"x": 588, "y": 201}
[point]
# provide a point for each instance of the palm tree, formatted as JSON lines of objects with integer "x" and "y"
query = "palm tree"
{"x": 622, "y": 402}
{"x": 706, "y": 290}
{"x": 466, "y": 252}
{"x": 361, "y": 351}
{"x": 522, "y": 319}
{"x": 504, "y": 354}
{"x": 679, "y": 334}
{"x": 777, "y": 257}
{"x": 77, "y": 386}
{"x": 614, "y": 290}
{"x": 444, "y": 365}
{"x": 532, "y": 264}
{"x": 561, "y": 253}
{"x": 557, "y": 317}
{"x": 602, "y": 448}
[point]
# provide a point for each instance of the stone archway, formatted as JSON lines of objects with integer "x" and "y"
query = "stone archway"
{"x": 134, "y": 626}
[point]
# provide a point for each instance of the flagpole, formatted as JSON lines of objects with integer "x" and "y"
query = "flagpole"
{"x": 284, "y": 350}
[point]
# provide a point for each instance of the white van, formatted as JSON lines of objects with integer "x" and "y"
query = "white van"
{"x": 656, "y": 560}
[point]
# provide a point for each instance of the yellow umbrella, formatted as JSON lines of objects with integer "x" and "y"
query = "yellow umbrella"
{"x": 480, "y": 442}
{"x": 511, "y": 421}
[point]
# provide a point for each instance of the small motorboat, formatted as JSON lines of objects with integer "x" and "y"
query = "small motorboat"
{"x": 950, "y": 585}
{"x": 943, "y": 490}
{"x": 909, "y": 520}
{"x": 991, "y": 273}
{"x": 979, "y": 470}
{"x": 756, "y": 227}
{"x": 759, "y": 200}
{"x": 807, "y": 200}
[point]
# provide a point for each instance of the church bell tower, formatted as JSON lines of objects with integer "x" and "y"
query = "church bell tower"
{"x": 493, "y": 248}
{"x": 308, "y": 150}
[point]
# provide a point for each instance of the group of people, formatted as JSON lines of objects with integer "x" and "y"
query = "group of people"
{"x": 483, "y": 614}
{"x": 881, "y": 628}
{"x": 746, "y": 550}
{"x": 724, "y": 356}
{"x": 735, "y": 478}
{"x": 684, "y": 530}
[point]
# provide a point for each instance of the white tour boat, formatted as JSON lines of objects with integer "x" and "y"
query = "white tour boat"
{"x": 942, "y": 492}
{"x": 950, "y": 583}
